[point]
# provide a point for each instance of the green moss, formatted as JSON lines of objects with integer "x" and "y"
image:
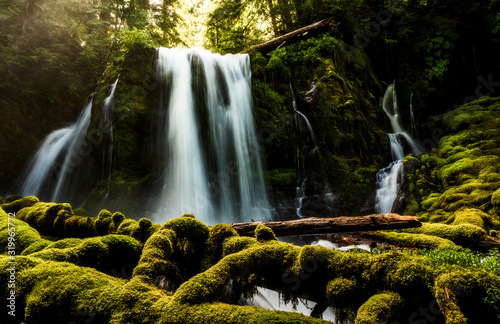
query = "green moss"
{"x": 48, "y": 292}
{"x": 237, "y": 243}
{"x": 379, "y": 308}
{"x": 107, "y": 253}
{"x": 461, "y": 294}
{"x": 170, "y": 284}
{"x": 216, "y": 237}
{"x": 340, "y": 292}
{"x": 12, "y": 198}
{"x": 103, "y": 222}
{"x": 20, "y": 233}
{"x": 281, "y": 178}
{"x": 417, "y": 240}
{"x": 16, "y": 205}
{"x": 36, "y": 246}
{"x": 457, "y": 181}
{"x": 154, "y": 260}
{"x": 264, "y": 233}
{"x": 464, "y": 234}
{"x": 78, "y": 226}
{"x": 47, "y": 218}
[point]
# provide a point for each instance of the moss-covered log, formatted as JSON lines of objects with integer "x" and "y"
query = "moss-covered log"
{"x": 314, "y": 225}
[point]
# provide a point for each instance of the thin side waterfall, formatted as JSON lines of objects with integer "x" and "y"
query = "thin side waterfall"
{"x": 49, "y": 171}
{"x": 107, "y": 127}
{"x": 390, "y": 105}
{"x": 304, "y": 118}
{"x": 299, "y": 196}
{"x": 301, "y": 119}
{"x": 390, "y": 178}
{"x": 213, "y": 166}
{"x": 413, "y": 123}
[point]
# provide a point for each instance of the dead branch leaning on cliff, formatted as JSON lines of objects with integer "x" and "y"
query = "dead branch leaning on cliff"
{"x": 293, "y": 37}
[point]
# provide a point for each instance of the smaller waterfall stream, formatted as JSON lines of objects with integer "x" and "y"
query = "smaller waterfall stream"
{"x": 301, "y": 119}
{"x": 49, "y": 171}
{"x": 390, "y": 178}
{"x": 107, "y": 127}
{"x": 304, "y": 118}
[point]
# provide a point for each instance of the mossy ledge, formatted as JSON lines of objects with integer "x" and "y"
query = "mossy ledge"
{"x": 190, "y": 273}
{"x": 59, "y": 220}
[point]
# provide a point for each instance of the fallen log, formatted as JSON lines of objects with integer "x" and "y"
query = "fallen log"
{"x": 293, "y": 37}
{"x": 315, "y": 225}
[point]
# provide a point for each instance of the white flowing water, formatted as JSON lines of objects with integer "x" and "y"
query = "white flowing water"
{"x": 107, "y": 128}
{"x": 300, "y": 194}
{"x": 46, "y": 176}
{"x": 304, "y": 118}
{"x": 270, "y": 299}
{"x": 390, "y": 178}
{"x": 213, "y": 166}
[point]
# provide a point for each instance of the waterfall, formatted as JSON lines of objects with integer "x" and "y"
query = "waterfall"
{"x": 413, "y": 123}
{"x": 107, "y": 127}
{"x": 208, "y": 140}
{"x": 48, "y": 174}
{"x": 300, "y": 194}
{"x": 304, "y": 118}
{"x": 390, "y": 178}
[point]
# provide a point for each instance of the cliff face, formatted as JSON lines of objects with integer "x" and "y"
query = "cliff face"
{"x": 337, "y": 92}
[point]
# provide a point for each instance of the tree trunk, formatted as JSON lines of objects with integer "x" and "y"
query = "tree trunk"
{"x": 293, "y": 37}
{"x": 314, "y": 225}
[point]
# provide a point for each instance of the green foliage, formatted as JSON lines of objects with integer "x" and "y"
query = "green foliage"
{"x": 464, "y": 258}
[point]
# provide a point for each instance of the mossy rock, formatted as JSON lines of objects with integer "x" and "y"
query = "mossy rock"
{"x": 264, "y": 233}
{"x": 457, "y": 182}
{"x": 106, "y": 253}
{"x": 23, "y": 234}
{"x": 16, "y": 205}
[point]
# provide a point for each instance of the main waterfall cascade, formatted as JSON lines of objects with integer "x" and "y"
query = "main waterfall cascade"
{"x": 390, "y": 178}
{"x": 49, "y": 173}
{"x": 213, "y": 167}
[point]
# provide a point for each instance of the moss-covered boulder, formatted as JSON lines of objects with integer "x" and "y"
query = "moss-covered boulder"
{"x": 457, "y": 182}
{"x": 15, "y": 234}
{"x": 18, "y": 204}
